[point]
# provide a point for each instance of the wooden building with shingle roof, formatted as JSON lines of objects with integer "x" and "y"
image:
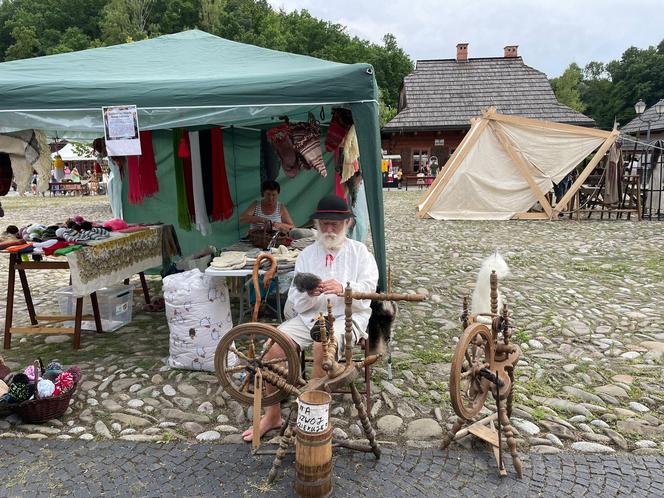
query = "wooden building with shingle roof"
{"x": 440, "y": 97}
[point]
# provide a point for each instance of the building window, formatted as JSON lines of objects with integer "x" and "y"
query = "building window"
{"x": 420, "y": 158}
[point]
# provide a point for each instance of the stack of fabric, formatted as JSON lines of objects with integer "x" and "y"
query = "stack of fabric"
{"x": 230, "y": 260}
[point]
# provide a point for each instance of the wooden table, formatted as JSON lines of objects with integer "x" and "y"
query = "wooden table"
{"x": 44, "y": 324}
{"x": 413, "y": 179}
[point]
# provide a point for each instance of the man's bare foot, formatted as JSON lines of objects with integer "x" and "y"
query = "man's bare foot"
{"x": 267, "y": 424}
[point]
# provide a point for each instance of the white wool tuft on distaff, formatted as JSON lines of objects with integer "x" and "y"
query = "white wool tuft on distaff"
{"x": 481, "y": 299}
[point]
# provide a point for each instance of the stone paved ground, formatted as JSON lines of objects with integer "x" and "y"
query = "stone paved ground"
{"x": 585, "y": 296}
{"x": 93, "y": 469}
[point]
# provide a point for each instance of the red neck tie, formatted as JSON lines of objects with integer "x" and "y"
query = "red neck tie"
{"x": 329, "y": 259}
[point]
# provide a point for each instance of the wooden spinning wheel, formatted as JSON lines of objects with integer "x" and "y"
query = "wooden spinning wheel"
{"x": 240, "y": 354}
{"x": 468, "y": 390}
{"x": 484, "y": 361}
{"x": 245, "y": 369}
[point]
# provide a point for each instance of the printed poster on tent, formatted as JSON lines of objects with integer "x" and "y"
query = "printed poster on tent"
{"x": 121, "y": 130}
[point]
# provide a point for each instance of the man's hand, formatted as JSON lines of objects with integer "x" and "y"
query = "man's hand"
{"x": 316, "y": 292}
{"x": 331, "y": 287}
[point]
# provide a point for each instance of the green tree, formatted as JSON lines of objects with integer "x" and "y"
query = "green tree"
{"x": 567, "y": 87}
{"x": 31, "y": 28}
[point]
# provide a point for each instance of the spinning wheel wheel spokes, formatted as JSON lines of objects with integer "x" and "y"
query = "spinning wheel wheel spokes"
{"x": 468, "y": 390}
{"x": 242, "y": 350}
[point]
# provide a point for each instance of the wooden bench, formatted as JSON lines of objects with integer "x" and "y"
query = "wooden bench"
{"x": 65, "y": 188}
{"x": 413, "y": 179}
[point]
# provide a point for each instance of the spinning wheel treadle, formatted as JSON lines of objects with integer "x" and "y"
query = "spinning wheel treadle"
{"x": 250, "y": 342}
{"x": 474, "y": 351}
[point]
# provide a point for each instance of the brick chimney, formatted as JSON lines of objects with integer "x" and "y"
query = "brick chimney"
{"x": 462, "y": 52}
{"x": 511, "y": 51}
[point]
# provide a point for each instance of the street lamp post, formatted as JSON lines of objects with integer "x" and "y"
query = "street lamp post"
{"x": 640, "y": 108}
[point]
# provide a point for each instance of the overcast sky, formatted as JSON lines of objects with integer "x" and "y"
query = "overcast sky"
{"x": 550, "y": 34}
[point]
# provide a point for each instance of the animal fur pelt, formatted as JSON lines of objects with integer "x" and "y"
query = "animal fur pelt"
{"x": 381, "y": 324}
{"x": 481, "y": 299}
{"x": 306, "y": 282}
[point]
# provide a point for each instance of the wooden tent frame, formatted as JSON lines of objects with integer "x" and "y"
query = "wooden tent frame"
{"x": 478, "y": 125}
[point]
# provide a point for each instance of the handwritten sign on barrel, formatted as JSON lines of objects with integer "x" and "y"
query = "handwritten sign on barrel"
{"x": 313, "y": 413}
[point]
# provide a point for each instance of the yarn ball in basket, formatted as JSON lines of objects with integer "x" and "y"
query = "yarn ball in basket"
{"x": 30, "y": 372}
{"x": 54, "y": 365}
{"x": 45, "y": 388}
{"x": 63, "y": 383}
{"x": 75, "y": 372}
{"x": 53, "y": 369}
{"x": 20, "y": 392}
{"x": 20, "y": 378}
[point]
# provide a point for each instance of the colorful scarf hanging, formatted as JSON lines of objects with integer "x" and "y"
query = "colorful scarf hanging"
{"x": 148, "y": 166}
{"x": 134, "y": 193}
{"x": 202, "y": 222}
{"x": 205, "y": 142}
{"x": 342, "y": 120}
{"x": 142, "y": 171}
{"x": 185, "y": 154}
{"x": 222, "y": 202}
{"x": 184, "y": 219}
{"x": 351, "y": 155}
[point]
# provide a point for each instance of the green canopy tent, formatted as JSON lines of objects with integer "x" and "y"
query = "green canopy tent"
{"x": 194, "y": 79}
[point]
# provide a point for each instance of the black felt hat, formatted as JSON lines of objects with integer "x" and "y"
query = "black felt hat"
{"x": 332, "y": 207}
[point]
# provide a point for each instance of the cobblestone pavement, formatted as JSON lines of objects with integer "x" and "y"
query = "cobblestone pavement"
{"x": 121, "y": 468}
{"x": 585, "y": 298}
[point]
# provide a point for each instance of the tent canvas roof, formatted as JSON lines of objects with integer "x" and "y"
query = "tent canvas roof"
{"x": 506, "y": 164}
{"x": 67, "y": 153}
{"x": 185, "y": 79}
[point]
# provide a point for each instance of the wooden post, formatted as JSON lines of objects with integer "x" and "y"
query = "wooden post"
{"x": 522, "y": 166}
{"x": 550, "y": 125}
{"x": 144, "y": 284}
{"x": 28, "y": 297}
{"x": 9, "y": 313}
{"x": 95, "y": 312}
{"x": 586, "y": 172}
{"x": 77, "y": 323}
{"x": 313, "y": 450}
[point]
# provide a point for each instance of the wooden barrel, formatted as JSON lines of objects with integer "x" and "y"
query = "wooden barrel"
{"x": 313, "y": 463}
{"x": 313, "y": 446}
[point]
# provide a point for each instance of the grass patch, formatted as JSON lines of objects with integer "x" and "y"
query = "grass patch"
{"x": 433, "y": 355}
{"x": 521, "y": 336}
{"x": 539, "y": 413}
{"x": 655, "y": 263}
{"x": 540, "y": 388}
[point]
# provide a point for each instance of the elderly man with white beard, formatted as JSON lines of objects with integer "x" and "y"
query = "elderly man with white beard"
{"x": 336, "y": 260}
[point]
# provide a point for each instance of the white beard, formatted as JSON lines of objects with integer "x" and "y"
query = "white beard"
{"x": 331, "y": 241}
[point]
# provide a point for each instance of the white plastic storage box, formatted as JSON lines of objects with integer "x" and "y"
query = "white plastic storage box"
{"x": 115, "y": 306}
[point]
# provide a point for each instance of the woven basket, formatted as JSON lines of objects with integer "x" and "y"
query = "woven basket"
{"x": 43, "y": 409}
{"x": 262, "y": 237}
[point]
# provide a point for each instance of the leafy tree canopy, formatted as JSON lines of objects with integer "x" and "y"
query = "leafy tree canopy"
{"x": 608, "y": 92}
{"x": 30, "y": 28}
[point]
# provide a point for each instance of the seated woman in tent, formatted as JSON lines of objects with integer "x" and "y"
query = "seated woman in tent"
{"x": 268, "y": 209}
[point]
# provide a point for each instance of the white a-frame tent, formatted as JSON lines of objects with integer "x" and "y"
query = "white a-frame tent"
{"x": 505, "y": 164}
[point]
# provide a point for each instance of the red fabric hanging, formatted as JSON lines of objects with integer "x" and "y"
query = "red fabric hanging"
{"x": 134, "y": 193}
{"x": 222, "y": 206}
{"x": 339, "y": 188}
{"x": 148, "y": 166}
{"x": 185, "y": 155}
